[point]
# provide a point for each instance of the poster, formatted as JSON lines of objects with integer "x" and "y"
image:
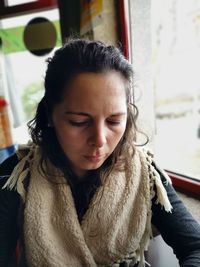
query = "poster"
{"x": 91, "y": 15}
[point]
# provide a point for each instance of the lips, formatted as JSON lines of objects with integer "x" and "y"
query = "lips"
{"x": 94, "y": 158}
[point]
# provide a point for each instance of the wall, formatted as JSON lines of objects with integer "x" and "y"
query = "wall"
{"x": 140, "y": 39}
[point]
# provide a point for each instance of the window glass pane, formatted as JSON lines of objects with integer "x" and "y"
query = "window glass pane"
{"x": 165, "y": 52}
{"x": 24, "y": 71}
{"x": 176, "y": 80}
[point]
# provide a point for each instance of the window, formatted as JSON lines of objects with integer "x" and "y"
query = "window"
{"x": 18, "y": 2}
{"x": 165, "y": 52}
{"x": 23, "y": 70}
{"x": 176, "y": 64}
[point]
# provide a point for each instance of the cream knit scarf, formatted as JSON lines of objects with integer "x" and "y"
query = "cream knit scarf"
{"x": 115, "y": 228}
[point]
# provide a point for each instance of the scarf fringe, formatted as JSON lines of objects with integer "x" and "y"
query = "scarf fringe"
{"x": 161, "y": 193}
{"x": 20, "y": 172}
{"x": 162, "y": 197}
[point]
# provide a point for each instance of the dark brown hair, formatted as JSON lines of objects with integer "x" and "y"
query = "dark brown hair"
{"x": 78, "y": 56}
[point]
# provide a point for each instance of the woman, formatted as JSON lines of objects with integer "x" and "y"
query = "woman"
{"x": 82, "y": 193}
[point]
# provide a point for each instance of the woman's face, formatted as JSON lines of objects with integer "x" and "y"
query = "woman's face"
{"x": 91, "y": 119}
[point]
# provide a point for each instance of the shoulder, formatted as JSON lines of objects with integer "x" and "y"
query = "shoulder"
{"x": 6, "y": 168}
{"x": 148, "y": 158}
{"x": 9, "y": 210}
{"x": 158, "y": 178}
{"x": 9, "y": 199}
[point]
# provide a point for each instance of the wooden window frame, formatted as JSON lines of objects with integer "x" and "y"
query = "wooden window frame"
{"x": 39, "y": 5}
{"x": 185, "y": 184}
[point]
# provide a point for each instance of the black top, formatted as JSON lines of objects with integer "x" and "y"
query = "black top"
{"x": 178, "y": 229}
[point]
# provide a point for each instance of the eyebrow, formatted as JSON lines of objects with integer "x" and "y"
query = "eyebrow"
{"x": 88, "y": 115}
{"x": 118, "y": 114}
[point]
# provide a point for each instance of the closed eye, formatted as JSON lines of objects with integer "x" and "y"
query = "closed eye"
{"x": 79, "y": 123}
{"x": 114, "y": 123}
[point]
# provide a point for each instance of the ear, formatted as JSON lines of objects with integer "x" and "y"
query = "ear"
{"x": 48, "y": 114}
{"x": 49, "y": 125}
{"x": 50, "y": 122}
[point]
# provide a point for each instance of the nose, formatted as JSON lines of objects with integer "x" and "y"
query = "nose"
{"x": 98, "y": 136}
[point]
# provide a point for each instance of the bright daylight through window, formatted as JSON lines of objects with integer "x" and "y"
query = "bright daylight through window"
{"x": 18, "y": 2}
{"x": 176, "y": 81}
{"x": 165, "y": 50}
{"x": 26, "y": 88}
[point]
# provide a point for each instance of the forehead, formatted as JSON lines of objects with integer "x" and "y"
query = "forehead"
{"x": 93, "y": 88}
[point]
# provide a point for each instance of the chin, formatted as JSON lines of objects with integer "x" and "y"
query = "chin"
{"x": 94, "y": 166}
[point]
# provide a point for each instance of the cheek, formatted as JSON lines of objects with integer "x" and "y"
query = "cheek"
{"x": 117, "y": 135}
{"x": 67, "y": 137}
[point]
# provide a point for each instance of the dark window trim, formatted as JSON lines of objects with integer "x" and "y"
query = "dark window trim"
{"x": 10, "y": 11}
{"x": 185, "y": 184}
{"x": 123, "y": 28}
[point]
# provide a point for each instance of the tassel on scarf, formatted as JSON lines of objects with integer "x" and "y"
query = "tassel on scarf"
{"x": 161, "y": 193}
{"x": 20, "y": 172}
